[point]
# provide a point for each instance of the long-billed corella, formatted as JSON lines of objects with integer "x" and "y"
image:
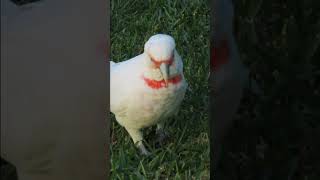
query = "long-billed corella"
{"x": 147, "y": 89}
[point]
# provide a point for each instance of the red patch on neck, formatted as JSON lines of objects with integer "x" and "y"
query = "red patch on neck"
{"x": 154, "y": 84}
{"x": 219, "y": 55}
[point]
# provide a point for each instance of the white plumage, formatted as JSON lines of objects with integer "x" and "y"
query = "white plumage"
{"x": 148, "y": 88}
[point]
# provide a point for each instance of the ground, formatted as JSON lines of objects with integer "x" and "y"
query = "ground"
{"x": 186, "y": 155}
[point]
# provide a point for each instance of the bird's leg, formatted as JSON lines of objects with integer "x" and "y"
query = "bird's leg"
{"x": 137, "y": 138}
{"x": 162, "y": 135}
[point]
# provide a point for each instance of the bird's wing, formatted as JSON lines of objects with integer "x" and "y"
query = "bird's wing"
{"x": 124, "y": 83}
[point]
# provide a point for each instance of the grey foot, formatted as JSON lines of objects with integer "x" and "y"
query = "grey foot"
{"x": 143, "y": 149}
{"x": 162, "y": 136}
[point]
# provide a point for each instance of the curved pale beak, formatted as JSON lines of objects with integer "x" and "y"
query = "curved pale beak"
{"x": 164, "y": 68}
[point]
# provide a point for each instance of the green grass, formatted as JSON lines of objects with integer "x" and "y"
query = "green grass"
{"x": 186, "y": 155}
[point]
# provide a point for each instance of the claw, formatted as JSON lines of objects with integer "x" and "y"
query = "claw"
{"x": 143, "y": 149}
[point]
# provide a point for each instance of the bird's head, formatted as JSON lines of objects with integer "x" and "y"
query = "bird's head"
{"x": 162, "y": 54}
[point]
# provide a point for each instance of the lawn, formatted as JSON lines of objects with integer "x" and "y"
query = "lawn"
{"x": 186, "y": 155}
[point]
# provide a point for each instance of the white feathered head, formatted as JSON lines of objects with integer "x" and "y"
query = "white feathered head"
{"x": 162, "y": 54}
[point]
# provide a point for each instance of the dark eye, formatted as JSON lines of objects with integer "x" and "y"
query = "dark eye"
{"x": 23, "y": 2}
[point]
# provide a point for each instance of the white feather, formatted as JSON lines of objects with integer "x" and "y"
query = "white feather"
{"x": 135, "y": 104}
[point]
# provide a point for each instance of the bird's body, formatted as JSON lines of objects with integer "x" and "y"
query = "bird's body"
{"x": 134, "y": 102}
{"x": 141, "y": 95}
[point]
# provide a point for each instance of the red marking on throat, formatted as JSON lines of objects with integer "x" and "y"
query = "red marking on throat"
{"x": 154, "y": 84}
{"x": 219, "y": 55}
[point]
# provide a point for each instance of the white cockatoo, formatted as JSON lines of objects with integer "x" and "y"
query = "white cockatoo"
{"x": 229, "y": 75}
{"x": 148, "y": 88}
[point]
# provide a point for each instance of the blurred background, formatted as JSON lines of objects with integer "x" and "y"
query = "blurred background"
{"x": 276, "y": 134}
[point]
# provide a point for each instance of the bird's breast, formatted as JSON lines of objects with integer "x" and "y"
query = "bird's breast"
{"x": 160, "y": 103}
